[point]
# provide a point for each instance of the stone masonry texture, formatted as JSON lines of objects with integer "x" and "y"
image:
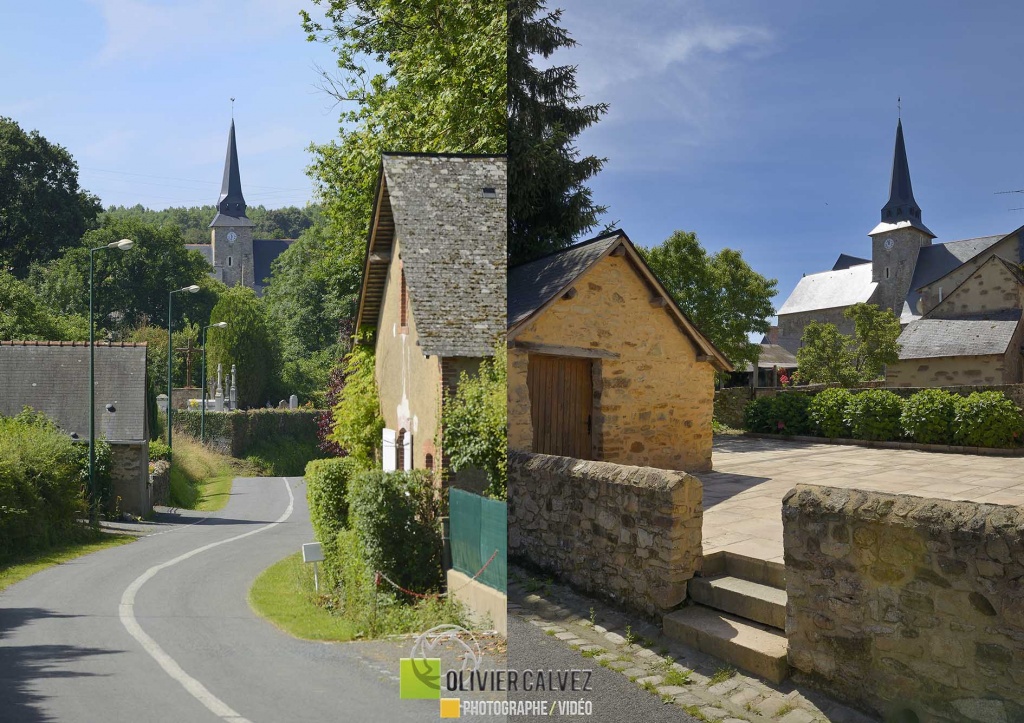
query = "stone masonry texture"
{"x": 631, "y": 535}
{"x": 912, "y": 608}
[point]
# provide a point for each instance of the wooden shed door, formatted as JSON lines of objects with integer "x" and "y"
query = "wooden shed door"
{"x": 561, "y": 405}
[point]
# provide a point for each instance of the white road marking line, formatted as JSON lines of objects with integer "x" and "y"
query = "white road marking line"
{"x": 127, "y": 613}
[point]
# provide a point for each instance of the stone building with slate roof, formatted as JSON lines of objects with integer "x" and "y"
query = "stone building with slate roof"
{"x": 433, "y": 291}
{"x": 237, "y": 257}
{"x": 603, "y": 364}
{"x": 959, "y": 302}
{"x": 53, "y": 377}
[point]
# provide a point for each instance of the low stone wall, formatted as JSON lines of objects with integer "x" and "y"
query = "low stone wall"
{"x": 729, "y": 405}
{"x": 160, "y": 483}
{"x": 130, "y": 479}
{"x": 912, "y": 608}
{"x": 631, "y": 535}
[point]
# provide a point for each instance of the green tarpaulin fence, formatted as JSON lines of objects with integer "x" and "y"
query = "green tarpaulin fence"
{"x": 479, "y": 529}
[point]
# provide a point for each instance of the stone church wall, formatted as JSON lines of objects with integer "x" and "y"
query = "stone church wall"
{"x": 1008, "y": 248}
{"x": 631, "y": 535}
{"x": 991, "y": 288}
{"x": 907, "y": 605}
{"x": 791, "y": 326}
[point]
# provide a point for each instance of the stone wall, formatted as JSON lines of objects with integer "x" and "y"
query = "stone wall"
{"x": 130, "y": 479}
{"x": 652, "y": 399}
{"x": 912, "y": 608}
{"x": 236, "y": 433}
{"x": 160, "y": 483}
{"x": 1008, "y": 248}
{"x": 628, "y": 534}
{"x": 993, "y": 287}
{"x": 791, "y": 326}
{"x": 993, "y": 369}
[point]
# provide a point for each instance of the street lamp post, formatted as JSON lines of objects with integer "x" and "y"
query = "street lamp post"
{"x": 202, "y": 414}
{"x": 170, "y": 356}
{"x": 122, "y": 245}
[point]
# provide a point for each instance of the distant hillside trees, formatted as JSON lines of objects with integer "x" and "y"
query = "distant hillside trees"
{"x": 42, "y": 208}
{"x": 194, "y": 221}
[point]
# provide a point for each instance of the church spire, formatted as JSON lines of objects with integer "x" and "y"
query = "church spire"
{"x": 901, "y": 205}
{"x": 231, "y": 202}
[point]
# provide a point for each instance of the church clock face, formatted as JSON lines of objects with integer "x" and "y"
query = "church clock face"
{"x": 889, "y": 243}
{"x": 232, "y": 236}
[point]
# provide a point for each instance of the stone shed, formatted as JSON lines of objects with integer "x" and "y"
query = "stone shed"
{"x": 603, "y": 365}
{"x": 53, "y": 377}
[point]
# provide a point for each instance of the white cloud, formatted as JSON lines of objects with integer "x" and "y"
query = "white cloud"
{"x": 142, "y": 30}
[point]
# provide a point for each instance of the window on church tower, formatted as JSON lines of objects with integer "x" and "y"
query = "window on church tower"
{"x": 229, "y": 261}
{"x": 887, "y": 272}
{"x": 404, "y": 313}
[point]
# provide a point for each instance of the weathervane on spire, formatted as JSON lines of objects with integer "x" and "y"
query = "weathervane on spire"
{"x": 899, "y": 108}
{"x": 232, "y": 109}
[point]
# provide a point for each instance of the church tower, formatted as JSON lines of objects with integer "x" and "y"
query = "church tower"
{"x": 896, "y": 241}
{"x": 231, "y": 229}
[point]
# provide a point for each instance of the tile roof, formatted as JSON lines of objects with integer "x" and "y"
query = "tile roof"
{"x": 264, "y": 251}
{"x": 53, "y": 377}
{"x": 205, "y": 249}
{"x": 831, "y": 290}
{"x": 531, "y": 285}
{"x": 845, "y": 261}
{"x": 452, "y": 236}
{"x": 773, "y": 355}
{"x": 926, "y": 338}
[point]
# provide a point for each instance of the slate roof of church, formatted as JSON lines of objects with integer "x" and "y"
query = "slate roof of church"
{"x": 927, "y": 338}
{"x": 205, "y": 249}
{"x": 452, "y": 234}
{"x": 53, "y": 377}
{"x": 264, "y": 251}
{"x": 845, "y": 261}
{"x": 831, "y": 290}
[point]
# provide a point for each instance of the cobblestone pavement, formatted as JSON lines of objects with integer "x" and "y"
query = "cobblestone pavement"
{"x": 743, "y": 496}
{"x": 697, "y": 683}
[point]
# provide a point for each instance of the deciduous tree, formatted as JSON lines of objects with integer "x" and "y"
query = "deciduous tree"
{"x": 720, "y": 292}
{"x": 246, "y": 342}
{"x": 42, "y": 208}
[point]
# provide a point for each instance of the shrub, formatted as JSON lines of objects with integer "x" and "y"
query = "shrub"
{"x": 327, "y": 483}
{"x": 158, "y": 450}
{"x": 357, "y": 420}
{"x": 785, "y": 413}
{"x": 397, "y": 517}
{"x": 928, "y": 416}
{"x": 827, "y": 413}
{"x": 988, "y": 419}
{"x": 875, "y": 415}
{"x": 757, "y": 415}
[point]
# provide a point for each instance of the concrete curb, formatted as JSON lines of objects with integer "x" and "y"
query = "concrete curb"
{"x": 942, "y": 448}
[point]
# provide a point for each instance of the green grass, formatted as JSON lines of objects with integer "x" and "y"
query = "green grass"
{"x": 23, "y": 566}
{"x": 283, "y": 595}
{"x": 674, "y": 676}
{"x": 721, "y": 675}
{"x": 201, "y": 478}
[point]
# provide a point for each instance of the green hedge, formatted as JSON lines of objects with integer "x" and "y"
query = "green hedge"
{"x": 875, "y": 415}
{"x": 43, "y": 478}
{"x": 827, "y": 412}
{"x": 397, "y": 516}
{"x": 988, "y": 419}
{"x": 930, "y": 416}
{"x": 327, "y": 485}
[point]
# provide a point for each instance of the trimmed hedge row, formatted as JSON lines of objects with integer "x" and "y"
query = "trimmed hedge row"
{"x": 43, "y": 475}
{"x": 395, "y": 518}
{"x": 931, "y": 416}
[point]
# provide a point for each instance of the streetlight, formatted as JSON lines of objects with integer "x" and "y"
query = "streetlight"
{"x": 170, "y": 356}
{"x": 122, "y": 245}
{"x": 202, "y": 414}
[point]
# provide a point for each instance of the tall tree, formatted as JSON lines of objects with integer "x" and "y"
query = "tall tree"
{"x": 24, "y": 316}
{"x": 875, "y": 333}
{"x": 412, "y": 75}
{"x": 131, "y": 286}
{"x": 720, "y": 292}
{"x": 246, "y": 342}
{"x": 826, "y": 356}
{"x": 42, "y": 209}
{"x": 549, "y": 201}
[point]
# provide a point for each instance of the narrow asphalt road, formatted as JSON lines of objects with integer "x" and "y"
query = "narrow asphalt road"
{"x": 614, "y": 698}
{"x": 159, "y": 631}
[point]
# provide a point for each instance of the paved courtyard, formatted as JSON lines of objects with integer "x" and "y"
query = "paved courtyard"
{"x": 743, "y": 495}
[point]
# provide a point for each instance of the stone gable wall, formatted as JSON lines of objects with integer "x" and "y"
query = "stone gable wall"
{"x": 991, "y": 288}
{"x": 628, "y": 534}
{"x": 944, "y": 371}
{"x": 907, "y": 605}
{"x": 653, "y": 401}
{"x": 1008, "y": 248}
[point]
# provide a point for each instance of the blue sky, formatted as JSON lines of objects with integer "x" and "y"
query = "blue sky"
{"x": 138, "y": 91}
{"x": 769, "y": 127}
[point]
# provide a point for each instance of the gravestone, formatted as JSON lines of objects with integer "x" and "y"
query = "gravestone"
{"x": 293, "y": 402}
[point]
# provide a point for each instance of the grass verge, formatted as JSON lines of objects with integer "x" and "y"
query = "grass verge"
{"x": 284, "y": 595}
{"x": 21, "y": 567}
{"x": 201, "y": 478}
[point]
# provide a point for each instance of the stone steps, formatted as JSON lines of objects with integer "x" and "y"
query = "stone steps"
{"x": 753, "y": 569}
{"x": 746, "y": 599}
{"x": 756, "y": 648}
